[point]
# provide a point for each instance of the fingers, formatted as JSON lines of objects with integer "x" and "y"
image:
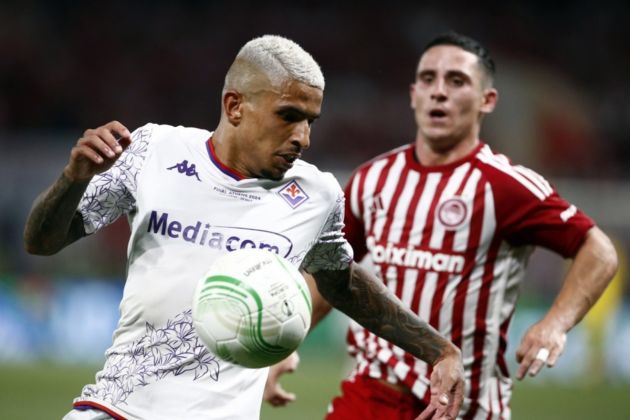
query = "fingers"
{"x": 521, "y": 351}
{"x": 119, "y": 130}
{"x": 444, "y": 406}
{"x": 539, "y": 361}
{"x": 276, "y": 396}
{"x": 437, "y": 409}
{"x": 280, "y": 397}
{"x": 447, "y": 394}
{"x": 553, "y": 356}
{"x": 531, "y": 366}
{"x": 292, "y": 362}
{"x": 427, "y": 413}
{"x": 455, "y": 403}
{"x": 447, "y": 388}
{"x": 525, "y": 358}
{"x": 97, "y": 150}
{"x": 543, "y": 344}
{"x": 533, "y": 360}
{"x": 105, "y": 139}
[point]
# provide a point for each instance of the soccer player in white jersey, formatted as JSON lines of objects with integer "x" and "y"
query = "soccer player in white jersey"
{"x": 191, "y": 195}
{"x": 448, "y": 226}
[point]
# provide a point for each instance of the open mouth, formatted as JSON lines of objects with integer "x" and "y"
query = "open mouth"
{"x": 291, "y": 158}
{"x": 437, "y": 113}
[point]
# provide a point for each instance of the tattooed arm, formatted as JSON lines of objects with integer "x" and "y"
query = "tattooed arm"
{"x": 54, "y": 222}
{"x": 365, "y": 299}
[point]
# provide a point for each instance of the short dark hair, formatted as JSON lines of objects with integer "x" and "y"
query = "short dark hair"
{"x": 467, "y": 44}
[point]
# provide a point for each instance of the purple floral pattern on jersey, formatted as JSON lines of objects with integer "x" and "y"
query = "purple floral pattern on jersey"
{"x": 172, "y": 350}
{"x": 112, "y": 193}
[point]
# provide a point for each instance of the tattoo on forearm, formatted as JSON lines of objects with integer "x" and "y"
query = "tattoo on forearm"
{"x": 53, "y": 221}
{"x": 366, "y": 299}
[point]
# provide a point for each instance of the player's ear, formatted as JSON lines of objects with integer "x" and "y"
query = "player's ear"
{"x": 412, "y": 95}
{"x": 490, "y": 99}
{"x": 233, "y": 106}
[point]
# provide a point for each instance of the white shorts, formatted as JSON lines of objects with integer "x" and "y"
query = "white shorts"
{"x": 91, "y": 414}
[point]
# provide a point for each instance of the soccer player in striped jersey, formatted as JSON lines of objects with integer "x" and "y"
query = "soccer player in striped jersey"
{"x": 191, "y": 195}
{"x": 448, "y": 225}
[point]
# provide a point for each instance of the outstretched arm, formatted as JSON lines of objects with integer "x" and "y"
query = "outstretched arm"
{"x": 321, "y": 307}
{"x": 588, "y": 276}
{"x": 363, "y": 297}
{"x": 53, "y": 222}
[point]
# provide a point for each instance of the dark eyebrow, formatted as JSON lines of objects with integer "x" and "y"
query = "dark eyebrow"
{"x": 457, "y": 73}
{"x": 425, "y": 72}
{"x": 449, "y": 73}
{"x": 298, "y": 111}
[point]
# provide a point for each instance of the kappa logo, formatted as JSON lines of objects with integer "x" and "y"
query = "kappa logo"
{"x": 568, "y": 213}
{"x": 188, "y": 170}
{"x": 293, "y": 194}
{"x": 377, "y": 205}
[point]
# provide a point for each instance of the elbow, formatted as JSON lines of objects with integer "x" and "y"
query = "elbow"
{"x": 608, "y": 258}
{"x": 611, "y": 262}
{"x": 35, "y": 247}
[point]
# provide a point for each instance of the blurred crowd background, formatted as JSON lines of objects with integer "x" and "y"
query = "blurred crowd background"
{"x": 65, "y": 66}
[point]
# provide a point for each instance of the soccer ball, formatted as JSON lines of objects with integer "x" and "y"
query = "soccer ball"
{"x": 252, "y": 308}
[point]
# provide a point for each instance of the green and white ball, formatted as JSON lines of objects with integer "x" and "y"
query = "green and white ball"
{"x": 252, "y": 308}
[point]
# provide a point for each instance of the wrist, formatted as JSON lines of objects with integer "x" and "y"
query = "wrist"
{"x": 72, "y": 178}
{"x": 559, "y": 322}
{"x": 448, "y": 350}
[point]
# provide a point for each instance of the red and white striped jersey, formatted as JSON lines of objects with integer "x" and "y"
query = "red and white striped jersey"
{"x": 452, "y": 243}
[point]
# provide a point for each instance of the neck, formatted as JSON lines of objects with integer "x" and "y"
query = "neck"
{"x": 433, "y": 155}
{"x": 223, "y": 145}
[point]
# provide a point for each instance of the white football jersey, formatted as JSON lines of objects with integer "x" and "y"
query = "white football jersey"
{"x": 185, "y": 209}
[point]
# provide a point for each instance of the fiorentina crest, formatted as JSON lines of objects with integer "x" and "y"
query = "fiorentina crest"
{"x": 293, "y": 194}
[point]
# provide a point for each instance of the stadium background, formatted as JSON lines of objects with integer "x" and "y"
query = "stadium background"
{"x": 64, "y": 66}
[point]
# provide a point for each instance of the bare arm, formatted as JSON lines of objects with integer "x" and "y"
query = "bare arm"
{"x": 365, "y": 299}
{"x": 321, "y": 307}
{"x": 54, "y": 222}
{"x": 588, "y": 276}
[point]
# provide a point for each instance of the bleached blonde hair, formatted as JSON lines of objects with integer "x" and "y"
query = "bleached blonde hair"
{"x": 278, "y": 59}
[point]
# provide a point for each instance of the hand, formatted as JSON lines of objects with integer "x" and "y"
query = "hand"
{"x": 274, "y": 393}
{"x": 542, "y": 344}
{"x": 447, "y": 387}
{"x": 97, "y": 151}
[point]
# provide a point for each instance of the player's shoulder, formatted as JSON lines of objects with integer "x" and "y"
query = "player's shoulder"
{"x": 383, "y": 158}
{"x": 164, "y": 132}
{"x": 315, "y": 179}
{"x": 503, "y": 174}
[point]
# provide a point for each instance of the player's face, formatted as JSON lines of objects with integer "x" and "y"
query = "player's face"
{"x": 449, "y": 96}
{"x": 276, "y": 128}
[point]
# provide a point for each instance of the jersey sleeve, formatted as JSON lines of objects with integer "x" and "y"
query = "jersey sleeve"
{"x": 112, "y": 193}
{"x": 354, "y": 227}
{"x": 531, "y": 212}
{"x": 331, "y": 250}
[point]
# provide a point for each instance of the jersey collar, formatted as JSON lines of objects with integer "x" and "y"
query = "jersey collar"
{"x": 232, "y": 173}
{"x": 414, "y": 163}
